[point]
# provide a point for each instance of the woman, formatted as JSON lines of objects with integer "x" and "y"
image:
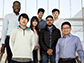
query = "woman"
{"x": 35, "y": 27}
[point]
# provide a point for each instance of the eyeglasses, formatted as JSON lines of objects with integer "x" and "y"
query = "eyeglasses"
{"x": 66, "y": 28}
{"x": 49, "y": 20}
{"x": 16, "y": 5}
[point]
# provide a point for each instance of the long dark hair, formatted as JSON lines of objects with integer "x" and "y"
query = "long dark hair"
{"x": 37, "y": 26}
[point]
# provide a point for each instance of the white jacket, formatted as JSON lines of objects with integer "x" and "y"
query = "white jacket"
{"x": 36, "y": 43}
{"x": 22, "y": 43}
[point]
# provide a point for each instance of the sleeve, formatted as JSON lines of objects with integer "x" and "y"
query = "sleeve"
{"x": 12, "y": 40}
{"x": 57, "y": 51}
{"x": 80, "y": 50}
{"x": 32, "y": 41}
{"x": 41, "y": 41}
{"x": 4, "y": 30}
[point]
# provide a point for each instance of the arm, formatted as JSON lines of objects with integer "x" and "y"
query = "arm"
{"x": 57, "y": 51}
{"x": 80, "y": 50}
{"x": 4, "y": 32}
{"x": 12, "y": 40}
{"x": 41, "y": 41}
{"x": 32, "y": 41}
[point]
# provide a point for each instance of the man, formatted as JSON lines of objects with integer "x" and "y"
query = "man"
{"x": 68, "y": 45}
{"x": 9, "y": 23}
{"x": 57, "y": 21}
{"x": 48, "y": 39}
{"x": 42, "y": 23}
{"x": 22, "y": 41}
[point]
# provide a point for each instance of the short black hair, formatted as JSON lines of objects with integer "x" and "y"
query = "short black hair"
{"x": 65, "y": 23}
{"x": 41, "y": 9}
{"x": 49, "y": 16}
{"x": 24, "y": 15}
{"x": 56, "y": 10}
{"x": 15, "y": 2}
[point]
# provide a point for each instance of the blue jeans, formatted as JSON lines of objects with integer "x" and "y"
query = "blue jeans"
{"x": 45, "y": 58}
{"x": 12, "y": 61}
{"x": 35, "y": 56}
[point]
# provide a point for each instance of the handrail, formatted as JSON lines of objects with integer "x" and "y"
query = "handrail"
{"x": 71, "y": 19}
{"x": 1, "y": 19}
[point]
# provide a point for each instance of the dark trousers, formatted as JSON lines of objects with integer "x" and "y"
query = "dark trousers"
{"x": 45, "y": 58}
{"x": 9, "y": 53}
{"x": 35, "y": 56}
{"x": 70, "y": 61}
{"x": 12, "y": 61}
{"x": 40, "y": 55}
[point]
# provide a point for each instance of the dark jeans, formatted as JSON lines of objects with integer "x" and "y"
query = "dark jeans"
{"x": 20, "y": 62}
{"x": 35, "y": 56}
{"x": 45, "y": 58}
{"x": 9, "y": 53}
{"x": 70, "y": 61}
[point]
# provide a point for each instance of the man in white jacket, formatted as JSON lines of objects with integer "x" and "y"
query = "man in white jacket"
{"x": 22, "y": 41}
{"x": 57, "y": 20}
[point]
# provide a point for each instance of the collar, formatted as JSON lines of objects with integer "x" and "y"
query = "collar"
{"x": 41, "y": 20}
{"x": 25, "y": 28}
{"x": 15, "y": 14}
{"x": 49, "y": 29}
{"x": 57, "y": 19}
{"x": 54, "y": 28}
{"x": 67, "y": 36}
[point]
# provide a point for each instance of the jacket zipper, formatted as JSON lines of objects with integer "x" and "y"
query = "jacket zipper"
{"x": 23, "y": 32}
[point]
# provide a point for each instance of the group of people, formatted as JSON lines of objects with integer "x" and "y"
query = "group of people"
{"x": 41, "y": 41}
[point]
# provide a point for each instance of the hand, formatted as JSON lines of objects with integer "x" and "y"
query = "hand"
{"x": 3, "y": 48}
{"x": 50, "y": 51}
{"x": 1, "y": 54}
{"x": 36, "y": 47}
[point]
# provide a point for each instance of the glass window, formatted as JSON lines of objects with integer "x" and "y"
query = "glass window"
{"x": 64, "y": 9}
{"x": 8, "y": 6}
{"x": 83, "y": 3}
{"x": 43, "y": 4}
{"x": 52, "y": 4}
{"x": 76, "y": 9}
{"x": 1, "y": 22}
{"x": 1, "y": 8}
{"x": 31, "y": 8}
{"x": 22, "y": 6}
{"x": 77, "y": 29}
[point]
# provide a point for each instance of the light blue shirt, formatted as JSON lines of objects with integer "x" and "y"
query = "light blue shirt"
{"x": 67, "y": 47}
{"x": 42, "y": 24}
{"x": 9, "y": 23}
{"x": 50, "y": 30}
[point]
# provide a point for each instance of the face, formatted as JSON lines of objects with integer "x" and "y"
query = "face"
{"x": 49, "y": 21}
{"x": 40, "y": 14}
{"x": 66, "y": 29}
{"x": 34, "y": 23}
{"x": 55, "y": 14}
{"x": 16, "y": 7}
{"x": 23, "y": 21}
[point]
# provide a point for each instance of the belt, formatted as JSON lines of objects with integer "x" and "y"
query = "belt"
{"x": 67, "y": 59}
{"x": 8, "y": 36}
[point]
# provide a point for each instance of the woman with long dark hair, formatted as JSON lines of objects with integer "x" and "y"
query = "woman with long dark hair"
{"x": 35, "y": 28}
